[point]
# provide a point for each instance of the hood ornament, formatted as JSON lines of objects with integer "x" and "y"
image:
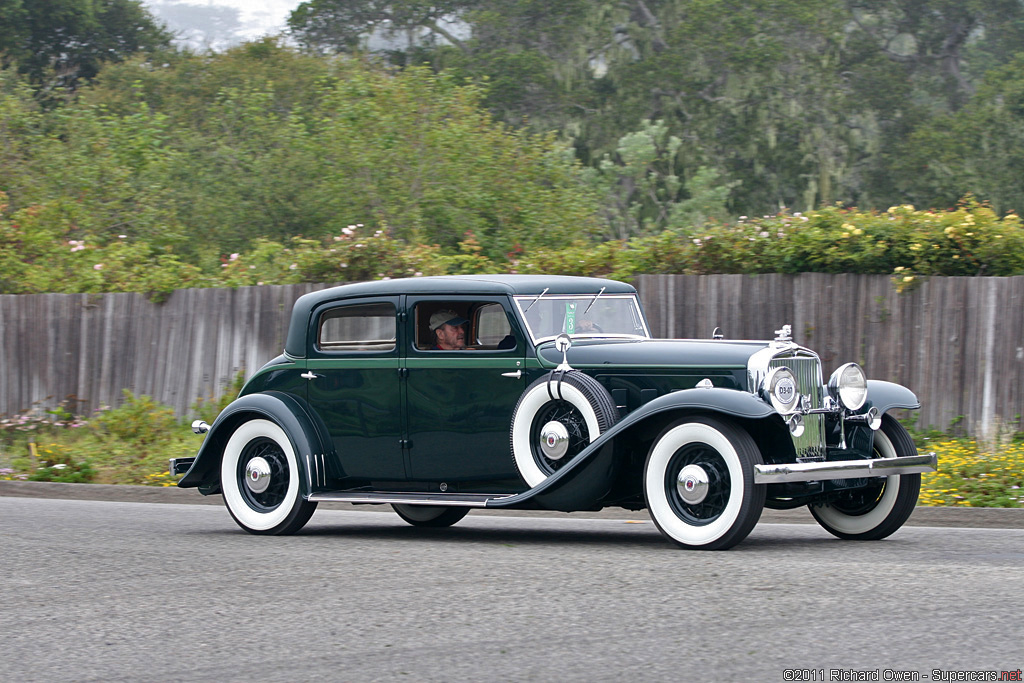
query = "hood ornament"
{"x": 785, "y": 334}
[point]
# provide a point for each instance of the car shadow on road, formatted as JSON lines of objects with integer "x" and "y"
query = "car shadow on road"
{"x": 648, "y": 537}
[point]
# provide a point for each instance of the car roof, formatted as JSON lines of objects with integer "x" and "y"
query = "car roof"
{"x": 442, "y": 285}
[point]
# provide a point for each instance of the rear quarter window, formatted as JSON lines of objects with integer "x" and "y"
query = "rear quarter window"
{"x": 358, "y": 327}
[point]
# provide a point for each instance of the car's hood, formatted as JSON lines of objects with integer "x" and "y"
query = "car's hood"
{"x": 702, "y": 353}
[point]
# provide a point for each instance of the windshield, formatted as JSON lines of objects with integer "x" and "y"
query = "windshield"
{"x": 613, "y": 315}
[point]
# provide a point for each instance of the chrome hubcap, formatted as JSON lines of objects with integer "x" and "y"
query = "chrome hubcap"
{"x": 692, "y": 484}
{"x": 257, "y": 475}
{"x": 554, "y": 440}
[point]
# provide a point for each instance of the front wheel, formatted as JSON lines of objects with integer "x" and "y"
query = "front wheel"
{"x": 430, "y": 515}
{"x": 259, "y": 476}
{"x": 699, "y": 483}
{"x": 878, "y": 510}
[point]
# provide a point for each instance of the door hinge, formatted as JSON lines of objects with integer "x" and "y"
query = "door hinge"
{"x": 405, "y": 443}
{"x": 403, "y": 373}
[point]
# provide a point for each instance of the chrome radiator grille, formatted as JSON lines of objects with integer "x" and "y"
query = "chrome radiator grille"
{"x": 808, "y": 376}
{"x": 811, "y": 444}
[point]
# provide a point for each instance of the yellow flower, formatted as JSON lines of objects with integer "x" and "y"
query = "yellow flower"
{"x": 858, "y": 231}
{"x": 908, "y": 278}
{"x": 898, "y": 269}
{"x": 915, "y": 247}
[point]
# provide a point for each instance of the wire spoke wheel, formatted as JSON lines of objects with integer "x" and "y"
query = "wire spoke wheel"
{"x": 259, "y": 477}
{"x": 273, "y": 455}
{"x": 711, "y": 463}
{"x": 575, "y": 425}
{"x": 555, "y": 419}
{"x": 882, "y": 506}
{"x": 699, "y": 483}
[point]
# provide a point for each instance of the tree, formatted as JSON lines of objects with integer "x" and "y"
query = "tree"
{"x": 343, "y": 25}
{"x": 977, "y": 150}
{"x": 63, "y": 41}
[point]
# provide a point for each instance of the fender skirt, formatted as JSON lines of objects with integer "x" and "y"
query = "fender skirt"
{"x": 588, "y": 477}
{"x": 283, "y": 409}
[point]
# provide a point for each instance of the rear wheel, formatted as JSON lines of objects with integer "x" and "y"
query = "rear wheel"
{"x": 259, "y": 477}
{"x": 699, "y": 483}
{"x": 430, "y": 515}
{"x": 878, "y": 510}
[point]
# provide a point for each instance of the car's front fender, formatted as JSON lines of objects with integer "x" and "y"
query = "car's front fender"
{"x": 887, "y": 396}
{"x": 283, "y": 409}
{"x": 581, "y": 483}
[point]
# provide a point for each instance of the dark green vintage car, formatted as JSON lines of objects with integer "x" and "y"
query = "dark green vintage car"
{"x": 440, "y": 394}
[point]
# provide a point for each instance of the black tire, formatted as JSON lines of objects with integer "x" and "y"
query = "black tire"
{"x": 430, "y": 515}
{"x": 279, "y": 508}
{"x": 876, "y": 511}
{"x": 699, "y": 483}
{"x": 585, "y": 410}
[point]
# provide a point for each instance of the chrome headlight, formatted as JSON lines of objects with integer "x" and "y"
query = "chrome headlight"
{"x": 779, "y": 388}
{"x": 849, "y": 386}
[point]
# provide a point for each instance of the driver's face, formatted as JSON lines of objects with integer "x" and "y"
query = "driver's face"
{"x": 451, "y": 337}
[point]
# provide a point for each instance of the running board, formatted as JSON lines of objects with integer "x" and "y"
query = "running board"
{"x": 471, "y": 500}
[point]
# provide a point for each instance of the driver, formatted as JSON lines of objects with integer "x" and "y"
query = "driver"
{"x": 449, "y": 333}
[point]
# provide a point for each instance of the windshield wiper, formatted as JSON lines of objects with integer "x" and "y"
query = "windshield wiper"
{"x": 538, "y": 299}
{"x": 594, "y": 300}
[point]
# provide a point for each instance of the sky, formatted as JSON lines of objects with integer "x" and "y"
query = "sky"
{"x": 220, "y": 23}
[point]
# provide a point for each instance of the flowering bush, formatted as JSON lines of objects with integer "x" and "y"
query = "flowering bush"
{"x": 903, "y": 242}
{"x": 972, "y": 475}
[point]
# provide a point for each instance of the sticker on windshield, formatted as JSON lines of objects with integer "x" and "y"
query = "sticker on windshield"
{"x": 570, "y": 317}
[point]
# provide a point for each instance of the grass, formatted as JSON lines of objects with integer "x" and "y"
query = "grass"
{"x": 973, "y": 475}
{"x": 132, "y": 444}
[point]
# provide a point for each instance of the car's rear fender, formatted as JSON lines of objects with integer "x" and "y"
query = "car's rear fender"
{"x": 283, "y": 409}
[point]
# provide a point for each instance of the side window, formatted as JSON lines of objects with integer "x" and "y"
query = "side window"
{"x": 492, "y": 328}
{"x": 359, "y": 327}
{"x": 464, "y": 325}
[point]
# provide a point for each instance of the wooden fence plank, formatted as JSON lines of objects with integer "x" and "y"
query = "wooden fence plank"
{"x": 942, "y": 339}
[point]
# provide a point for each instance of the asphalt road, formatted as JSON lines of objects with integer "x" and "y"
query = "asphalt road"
{"x": 111, "y": 591}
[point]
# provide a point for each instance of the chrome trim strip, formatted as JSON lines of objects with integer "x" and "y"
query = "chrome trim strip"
{"x": 472, "y": 500}
{"x": 844, "y": 469}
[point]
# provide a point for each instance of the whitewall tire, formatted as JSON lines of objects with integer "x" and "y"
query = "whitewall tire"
{"x": 576, "y": 410}
{"x": 259, "y": 477}
{"x": 699, "y": 483}
{"x": 872, "y": 513}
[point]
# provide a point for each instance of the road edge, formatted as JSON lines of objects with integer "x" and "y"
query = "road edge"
{"x": 978, "y": 518}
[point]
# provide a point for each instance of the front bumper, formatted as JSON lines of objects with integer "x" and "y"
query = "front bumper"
{"x": 844, "y": 469}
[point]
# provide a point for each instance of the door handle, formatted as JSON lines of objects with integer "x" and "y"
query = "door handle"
{"x": 514, "y": 375}
{"x": 309, "y": 374}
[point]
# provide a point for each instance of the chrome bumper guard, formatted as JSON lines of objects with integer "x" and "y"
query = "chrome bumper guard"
{"x": 180, "y": 465}
{"x": 844, "y": 469}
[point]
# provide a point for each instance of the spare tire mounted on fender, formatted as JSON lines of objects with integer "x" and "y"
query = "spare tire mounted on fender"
{"x": 556, "y": 418}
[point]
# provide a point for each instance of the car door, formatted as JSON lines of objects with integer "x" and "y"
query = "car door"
{"x": 459, "y": 403}
{"x": 354, "y": 385}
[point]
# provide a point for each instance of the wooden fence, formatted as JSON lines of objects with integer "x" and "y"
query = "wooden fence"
{"x": 957, "y": 342}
